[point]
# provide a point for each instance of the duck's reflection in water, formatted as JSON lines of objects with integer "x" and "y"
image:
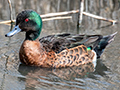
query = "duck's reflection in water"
{"x": 37, "y": 77}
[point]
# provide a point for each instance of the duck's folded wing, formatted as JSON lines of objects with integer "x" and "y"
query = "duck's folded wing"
{"x": 59, "y": 42}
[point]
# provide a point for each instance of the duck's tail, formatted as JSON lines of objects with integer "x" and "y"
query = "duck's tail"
{"x": 103, "y": 43}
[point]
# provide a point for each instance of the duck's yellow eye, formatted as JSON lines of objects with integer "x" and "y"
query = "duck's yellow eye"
{"x": 26, "y": 19}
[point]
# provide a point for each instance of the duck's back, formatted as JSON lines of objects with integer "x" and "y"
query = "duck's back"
{"x": 60, "y": 42}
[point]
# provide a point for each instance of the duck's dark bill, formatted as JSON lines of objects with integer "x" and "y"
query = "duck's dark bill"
{"x": 14, "y": 31}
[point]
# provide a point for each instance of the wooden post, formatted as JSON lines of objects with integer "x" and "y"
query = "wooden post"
{"x": 10, "y": 6}
{"x": 81, "y": 7}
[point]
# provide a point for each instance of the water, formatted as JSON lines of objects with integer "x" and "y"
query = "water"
{"x": 105, "y": 76}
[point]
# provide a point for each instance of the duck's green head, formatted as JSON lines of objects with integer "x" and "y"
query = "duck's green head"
{"x": 28, "y": 21}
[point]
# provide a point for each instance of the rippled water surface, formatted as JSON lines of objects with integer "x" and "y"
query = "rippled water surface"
{"x": 105, "y": 76}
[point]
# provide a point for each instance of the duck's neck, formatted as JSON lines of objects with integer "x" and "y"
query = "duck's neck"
{"x": 33, "y": 34}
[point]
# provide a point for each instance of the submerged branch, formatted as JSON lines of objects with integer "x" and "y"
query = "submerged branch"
{"x": 99, "y": 17}
{"x": 47, "y": 19}
{"x": 59, "y": 14}
{"x": 66, "y": 13}
{"x": 56, "y": 18}
{"x": 7, "y": 22}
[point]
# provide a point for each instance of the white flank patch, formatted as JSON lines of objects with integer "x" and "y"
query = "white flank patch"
{"x": 94, "y": 59}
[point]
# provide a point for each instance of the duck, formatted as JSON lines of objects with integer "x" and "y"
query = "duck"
{"x": 59, "y": 50}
